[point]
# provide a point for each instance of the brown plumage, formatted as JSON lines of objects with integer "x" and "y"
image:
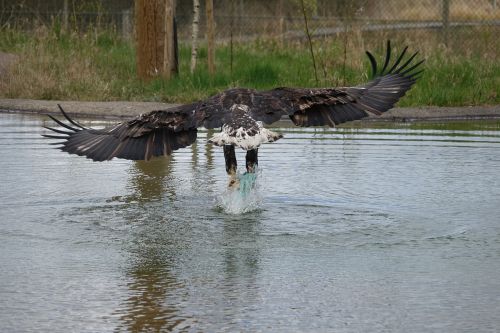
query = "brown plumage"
{"x": 160, "y": 132}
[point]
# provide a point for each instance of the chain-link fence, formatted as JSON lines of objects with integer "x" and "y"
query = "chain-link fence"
{"x": 450, "y": 22}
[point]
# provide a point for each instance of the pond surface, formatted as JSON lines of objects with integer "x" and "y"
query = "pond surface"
{"x": 365, "y": 229}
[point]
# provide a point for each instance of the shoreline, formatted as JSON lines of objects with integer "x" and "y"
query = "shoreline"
{"x": 127, "y": 110}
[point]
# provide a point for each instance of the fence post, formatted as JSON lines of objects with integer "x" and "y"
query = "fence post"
{"x": 241, "y": 21}
{"x": 281, "y": 23}
{"x": 446, "y": 20}
{"x": 169, "y": 54}
{"x": 126, "y": 24}
{"x": 65, "y": 15}
{"x": 210, "y": 35}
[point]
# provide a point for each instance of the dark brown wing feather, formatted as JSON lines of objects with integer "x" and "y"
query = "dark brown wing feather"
{"x": 148, "y": 135}
{"x": 318, "y": 107}
{"x": 160, "y": 132}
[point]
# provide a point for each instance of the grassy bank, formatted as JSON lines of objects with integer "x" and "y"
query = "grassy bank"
{"x": 101, "y": 66}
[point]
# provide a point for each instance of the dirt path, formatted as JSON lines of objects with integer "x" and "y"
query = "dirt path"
{"x": 113, "y": 110}
{"x": 117, "y": 110}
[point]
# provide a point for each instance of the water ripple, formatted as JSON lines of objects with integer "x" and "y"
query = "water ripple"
{"x": 348, "y": 230}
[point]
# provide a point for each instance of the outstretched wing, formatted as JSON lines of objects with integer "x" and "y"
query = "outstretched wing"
{"x": 152, "y": 134}
{"x": 319, "y": 107}
{"x": 155, "y": 133}
{"x": 160, "y": 132}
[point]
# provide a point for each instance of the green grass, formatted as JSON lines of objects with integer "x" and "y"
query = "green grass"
{"x": 90, "y": 66}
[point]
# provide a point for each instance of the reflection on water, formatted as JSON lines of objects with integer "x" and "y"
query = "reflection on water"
{"x": 388, "y": 228}
{"x": 149, "y": 280}
{"x": 149, "y": 181}
{"x": 153, "y": 301}
{"x": 148, "y": 308}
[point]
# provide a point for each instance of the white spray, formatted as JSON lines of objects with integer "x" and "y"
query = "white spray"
{"x": 243, "y": 198}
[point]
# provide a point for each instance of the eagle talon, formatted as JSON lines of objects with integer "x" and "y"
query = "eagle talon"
{"x": 234, "y": 182}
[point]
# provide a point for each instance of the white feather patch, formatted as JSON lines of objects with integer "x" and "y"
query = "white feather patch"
{"x": 240, "y": 137}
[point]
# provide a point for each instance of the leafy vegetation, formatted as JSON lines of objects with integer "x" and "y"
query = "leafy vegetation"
{"x": 100, "y": 65}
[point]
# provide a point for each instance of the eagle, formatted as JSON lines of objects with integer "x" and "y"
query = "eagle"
{"x": 241, "y": 114}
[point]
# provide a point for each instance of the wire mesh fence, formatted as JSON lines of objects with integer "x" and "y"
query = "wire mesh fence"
{"x": 450, "y": 22}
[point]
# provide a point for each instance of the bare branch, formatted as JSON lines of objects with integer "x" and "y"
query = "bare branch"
{"x": 310, "y": 40}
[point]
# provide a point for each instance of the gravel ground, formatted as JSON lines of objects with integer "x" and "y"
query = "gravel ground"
{"x": 119, "y": 110}
{"x": 112, "y": 110}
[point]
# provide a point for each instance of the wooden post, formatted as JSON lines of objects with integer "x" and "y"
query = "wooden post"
{"x": 231, "y": 32}
{"x": 446, "y": 20}
{"x": 176, "y": 48}
{"x": 209, "y": 4}
{"x": 65, "y": 15}
{"x": 243, "y": 30}
{"x": 169, "y": 53}
{"x": 281, "y": 23}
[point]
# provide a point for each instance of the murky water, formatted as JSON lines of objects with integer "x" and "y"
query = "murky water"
{"x": 381, "y": 229}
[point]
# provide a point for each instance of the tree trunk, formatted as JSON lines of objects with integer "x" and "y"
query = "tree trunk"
{"x": 148, "y": 18}
{"x": 194, "y": 35}
{"x": 154, "y": 20}
{"x": 210, "y": 36}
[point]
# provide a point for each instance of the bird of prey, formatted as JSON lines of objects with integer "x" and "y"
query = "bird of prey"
{"x": 241, "y": 114}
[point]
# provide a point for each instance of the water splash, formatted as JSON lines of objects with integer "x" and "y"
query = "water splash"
{"x": 246, "y": 198}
